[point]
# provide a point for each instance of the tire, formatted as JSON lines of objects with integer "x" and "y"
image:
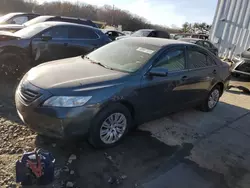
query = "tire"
{"x": 205, "y": 106}
{"x": 97, "y": 125}
{"x": 12, "y": 66}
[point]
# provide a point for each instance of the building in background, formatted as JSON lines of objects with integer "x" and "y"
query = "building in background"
{"x": 231, "y": 27}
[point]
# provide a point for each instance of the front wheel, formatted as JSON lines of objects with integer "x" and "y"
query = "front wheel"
{"x": 212, "y": 100}
{"x": 110, "y": 126}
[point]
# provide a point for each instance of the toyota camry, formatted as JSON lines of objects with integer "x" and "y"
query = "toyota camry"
{"x": 109, "y": 91}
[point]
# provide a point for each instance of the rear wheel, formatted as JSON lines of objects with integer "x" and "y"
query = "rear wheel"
{"x": 110, "y": 126}
{"x": 212, "y": 100}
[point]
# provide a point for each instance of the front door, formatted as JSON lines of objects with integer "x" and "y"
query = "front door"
{"x": 166, "y": 94}
{"x": 45, "y": 49}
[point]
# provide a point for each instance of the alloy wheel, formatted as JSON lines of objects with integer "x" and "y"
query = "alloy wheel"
{"x": 213, "y": 98}
{"x": 113, "y": 128}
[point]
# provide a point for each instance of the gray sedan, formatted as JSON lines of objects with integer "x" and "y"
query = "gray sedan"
{"x": 105, "y": 94}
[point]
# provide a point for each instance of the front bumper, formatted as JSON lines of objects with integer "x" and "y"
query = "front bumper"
{"x": 54, "y": 121}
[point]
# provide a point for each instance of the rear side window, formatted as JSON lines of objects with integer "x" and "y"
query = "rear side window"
{"x": 82, "y": 33}
{"x": 197, "y": 59}
{"x": 163, "y": 34}
{"x": 173, "y": 60}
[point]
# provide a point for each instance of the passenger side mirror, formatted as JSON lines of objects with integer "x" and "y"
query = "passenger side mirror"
{"x": 158, "y": 71}
{"x": 46, "y": 37}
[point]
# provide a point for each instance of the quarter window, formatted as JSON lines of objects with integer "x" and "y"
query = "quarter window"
{"x": 82, "y": 33}
{"x": 197, "y": 59}
{"x": 173, "y": 60}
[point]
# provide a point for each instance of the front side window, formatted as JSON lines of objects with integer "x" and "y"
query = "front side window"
{"x": 19, "y": 20}
{"x": 82, "y": 33}
{"x": 197, "y": 59}
{"x": 173, "y": 60}
{"x": 57, "y": 32}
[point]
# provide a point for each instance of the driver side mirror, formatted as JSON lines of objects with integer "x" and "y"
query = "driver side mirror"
{"x": 158, "y": 71}
{"x": 46, "y": 37}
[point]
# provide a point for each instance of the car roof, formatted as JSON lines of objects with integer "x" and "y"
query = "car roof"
{"x": 54, "y": 23}
{"x": 65, "y": 17}
{"x": 161, "y": 42}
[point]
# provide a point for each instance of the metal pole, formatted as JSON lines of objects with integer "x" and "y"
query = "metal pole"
{"x": 113, "y": 15}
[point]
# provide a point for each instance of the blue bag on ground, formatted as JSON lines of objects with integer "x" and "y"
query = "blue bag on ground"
{"x": 35, "y": 167}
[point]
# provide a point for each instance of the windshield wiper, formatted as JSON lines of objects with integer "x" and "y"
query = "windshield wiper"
{"x": 98, "y": 63}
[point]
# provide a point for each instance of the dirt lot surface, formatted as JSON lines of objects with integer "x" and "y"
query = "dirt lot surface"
{"x": 202, "y": 149}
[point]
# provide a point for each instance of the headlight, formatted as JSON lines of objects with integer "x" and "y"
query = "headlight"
{"x": 66, "y": 101}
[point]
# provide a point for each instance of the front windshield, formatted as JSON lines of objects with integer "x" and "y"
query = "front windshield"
{"x": 32, "y": 30}
{"x": 123, "y": 55}
{"x": 141, "y": 33}
{"x": 6, "y": 17}
{"x": 36, "y": 20}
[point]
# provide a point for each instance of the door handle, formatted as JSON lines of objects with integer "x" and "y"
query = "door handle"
{"x": 184, "y": 78}
{"x": 214, "y": 71}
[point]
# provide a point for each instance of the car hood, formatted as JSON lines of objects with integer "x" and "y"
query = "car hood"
{"x": 72, "y": 73}
{"x": 5, "y": 35}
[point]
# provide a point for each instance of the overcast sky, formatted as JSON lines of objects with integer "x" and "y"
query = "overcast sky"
{"x": 164, "y": 12}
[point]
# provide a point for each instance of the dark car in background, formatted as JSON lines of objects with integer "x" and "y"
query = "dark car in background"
{"x": 117, "y": 86}
{"x": 46, "y": 18}
{"x": 148, "y": 33}
{"x": 17, "y": 18}
{"x": 112, "y": 34}
{"x": 204, "y": 43}
{"x": 49, "y": 41}
{"x": 242, "y": 65}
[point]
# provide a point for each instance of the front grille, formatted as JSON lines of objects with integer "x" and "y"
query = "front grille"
{"x": 27, "y": 95}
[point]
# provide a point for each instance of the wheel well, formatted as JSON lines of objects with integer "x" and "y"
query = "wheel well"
{"x": 130, "y": 107}
{"x": 221, "y": 85}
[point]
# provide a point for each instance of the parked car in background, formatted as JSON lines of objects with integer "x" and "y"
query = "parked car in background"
{"x": 190, "y": 35}
{"x": 50, "y": 41}
{"x": 127, "y": 32}
{"x": 112, "y": 34}
{"x": 242, "y": 64}
{"x": 117, "y": 86}
{"x": 40, "y": 19}
{"x": 204, "y": 43}
{"x": 147, "y": 33}
{"x": 17, "y": 18}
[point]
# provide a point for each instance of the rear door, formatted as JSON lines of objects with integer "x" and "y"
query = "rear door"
{"x": 83, "y": 40}
{"x": 166, "y": 94}
{"x": 202, "y": 72}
